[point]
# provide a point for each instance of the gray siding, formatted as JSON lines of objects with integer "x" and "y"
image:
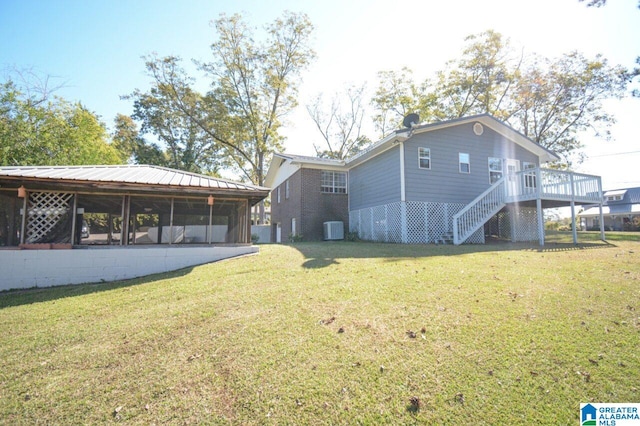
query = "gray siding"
{"x": 376, "y": 182}
{"x": 443, "y": 182}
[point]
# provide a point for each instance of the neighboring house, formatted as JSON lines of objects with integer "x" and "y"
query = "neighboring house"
{"x": 451, "y": 181}
{"x": 621, "y": 211}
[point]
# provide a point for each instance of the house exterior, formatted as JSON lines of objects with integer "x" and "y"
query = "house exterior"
{"x": 116, "y": 222}
{"x": 452, "y": 181}
{"x": 307, "y": 191}
{"x": 621, "y": 211}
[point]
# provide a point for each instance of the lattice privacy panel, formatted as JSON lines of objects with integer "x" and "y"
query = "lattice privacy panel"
{"x": 48, "y": 217}
{"x": 526, "y": 222}
{"x": 412, "y": 222}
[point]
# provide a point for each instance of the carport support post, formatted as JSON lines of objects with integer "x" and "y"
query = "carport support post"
{"x": 23, "y": 226}
{"x": 171, "y": 224}
{"x": 124, "y": 231}
{"x": 210, "y": 223}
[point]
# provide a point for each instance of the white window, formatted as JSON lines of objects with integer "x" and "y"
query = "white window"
{"x": 333, "y": 182}
{"x": 424, "y": 158}
{"x": 464, "y": 162}
{"x": 495, "y": 169}
{"x": 529, "y": 177}
{"x": 278, "y": 194}
{"x": 286, "y": 189}
{"x": 293, "y": 226}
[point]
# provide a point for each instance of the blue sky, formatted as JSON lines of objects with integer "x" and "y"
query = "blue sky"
{"x": 95, "y": 47}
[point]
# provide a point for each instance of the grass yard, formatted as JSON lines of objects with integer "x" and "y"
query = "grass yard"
{"x": 335, "y": 333}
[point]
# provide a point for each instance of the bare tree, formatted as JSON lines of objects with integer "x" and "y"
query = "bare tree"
{"x": 341, "y": 125}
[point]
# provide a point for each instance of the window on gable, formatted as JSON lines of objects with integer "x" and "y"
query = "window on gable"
{"x": 424, "y": 158}
{"x": 464, "y": 162}
{"x": 495, "y": 169}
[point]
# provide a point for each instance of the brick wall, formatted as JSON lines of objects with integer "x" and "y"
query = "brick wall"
{"x": 308, "y": 205}
{"x": 318, "y": 207}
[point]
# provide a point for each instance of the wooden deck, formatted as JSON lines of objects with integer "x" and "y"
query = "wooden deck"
{"x": 537, "y": 187}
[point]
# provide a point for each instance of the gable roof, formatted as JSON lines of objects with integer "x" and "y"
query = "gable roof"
{"x": 284, "y": 165}
{"x": 130, "y": 176}
{"x": 488, "y": 120}
{"x": 292, "y": 163}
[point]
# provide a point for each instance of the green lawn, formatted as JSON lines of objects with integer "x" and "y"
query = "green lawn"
{"x": 335, "y": 333}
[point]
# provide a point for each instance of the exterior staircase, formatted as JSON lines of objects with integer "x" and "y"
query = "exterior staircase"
{"x": 475, "y": 214}
{"x": 446, "y": 238}
{"x": 557, "y": 186}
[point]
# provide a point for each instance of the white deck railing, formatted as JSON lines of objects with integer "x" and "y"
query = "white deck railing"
{"x": 554, "y": 185}
{"x": 530, "y": 184}
{"x": 476, "y": 213}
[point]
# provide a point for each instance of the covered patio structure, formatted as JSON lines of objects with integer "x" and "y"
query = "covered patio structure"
{"x": 107, "y": 207}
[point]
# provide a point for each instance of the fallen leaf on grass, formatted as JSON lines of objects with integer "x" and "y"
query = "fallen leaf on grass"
{"x": 459, "y": 398}
{"x": 414, "y": 402}
{"x": 116, "y": 412}
{"x": 327, "y": 321}
{"x": 411, "y": 334}
{"x": 341, "y": 330}
{"x": 593, "y": 361}
{"x": 193, "y": 357}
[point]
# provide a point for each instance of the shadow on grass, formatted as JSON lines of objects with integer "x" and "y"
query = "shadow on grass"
{"x": 327, "y": 253}
{"x": 28, "y": 296}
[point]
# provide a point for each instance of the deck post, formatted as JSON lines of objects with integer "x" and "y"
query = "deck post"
{"x": 574, "y": 230}
{"x": 602, "y": 237}
{"x": 540, "y": 221}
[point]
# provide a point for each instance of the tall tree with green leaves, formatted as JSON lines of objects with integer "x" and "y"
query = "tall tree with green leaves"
{"x": 253, "y": 85}
{"x": 175, "y": 114}
{"x": 127, "y": 139}
{"x": 550, "y": 101}
{"x": 397, "y": 96}
{"x": 37, "y": 128}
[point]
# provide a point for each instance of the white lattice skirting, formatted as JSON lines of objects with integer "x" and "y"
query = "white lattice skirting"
{"x": 410, "y": 222}
{"x": 519, "y": 224}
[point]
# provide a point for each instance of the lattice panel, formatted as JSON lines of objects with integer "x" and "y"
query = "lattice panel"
{"x": 380, "y": 224}
{"x": 47, "y": 211}
{"x": 411, "y": 222}
{"x": 394, "y": 219}
{"x": 416, "y": 223}
{"x": 526, "y": 228}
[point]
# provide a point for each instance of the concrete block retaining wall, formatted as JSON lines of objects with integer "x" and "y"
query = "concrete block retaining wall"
{"x": 46, "y": 268}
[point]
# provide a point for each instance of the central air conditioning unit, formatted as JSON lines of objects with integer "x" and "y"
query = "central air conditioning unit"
{"x": 333, "y": 230}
